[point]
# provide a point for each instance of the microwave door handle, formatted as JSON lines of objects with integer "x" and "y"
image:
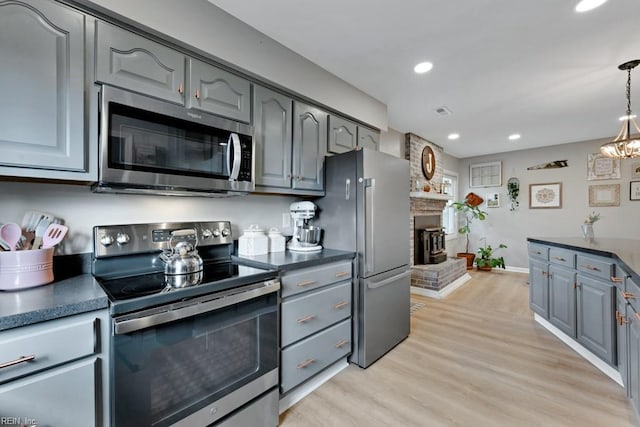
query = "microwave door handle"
{"x": 233, "y": 162}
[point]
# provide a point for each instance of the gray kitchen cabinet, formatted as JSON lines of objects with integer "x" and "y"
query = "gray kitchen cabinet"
{"x": 633, "y": 366}
{"x": 58, "y": 372}
{"x": 539, "y": 287}
{"x": 368, "y": 138}
{"x": 216, "y": 91}
{"x": 622, "y": 334}
{"x": 272, "y": 121}
{"x": 595, "y": 319}
{"x": 562, "y": 299}
{"x": 342, "y": 136}
{"x": 315, "y": 320}
{"x": 132, "y": 62}
{"x": 309, "y": 142}
{"x": 42, "y": 109}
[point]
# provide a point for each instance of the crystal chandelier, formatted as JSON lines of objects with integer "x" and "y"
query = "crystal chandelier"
{"x": 625, "y": 146}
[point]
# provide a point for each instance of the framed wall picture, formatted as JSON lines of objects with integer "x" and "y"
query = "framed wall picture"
{"x": 635, "y": 170}
{"x": 485, "y": 174}
{"x": 600, "y": 166}
{"x": 493, "y": 200}
{"x": 545, "y": 196}
{"x": 604, "y": 195}
{"x": 634, "y": 190}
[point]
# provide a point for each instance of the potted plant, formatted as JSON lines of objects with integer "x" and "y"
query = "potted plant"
{"x": 487, "y": 260}
{"x": 469, "y": 208}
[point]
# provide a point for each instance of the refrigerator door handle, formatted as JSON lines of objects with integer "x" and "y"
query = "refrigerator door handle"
{"x": 369, "y": 233}
{"x": 381, "y": 283}
{"x": 347, "y": 189}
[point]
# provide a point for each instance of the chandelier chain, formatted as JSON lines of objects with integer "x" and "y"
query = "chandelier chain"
{"x": 629, "y": 92}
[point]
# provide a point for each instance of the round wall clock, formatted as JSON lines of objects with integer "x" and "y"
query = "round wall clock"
{"x": 428, "y": 162}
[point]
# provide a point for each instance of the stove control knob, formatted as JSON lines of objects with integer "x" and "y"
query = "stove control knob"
{"x": 122, "y": 238}
{"x": 216, "y": 233}
{"x": 106, "y": 240}
{"x": 225, "y": 232}
{"x": 206, "y": 233}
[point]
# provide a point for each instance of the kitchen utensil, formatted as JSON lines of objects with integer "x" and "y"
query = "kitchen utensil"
{"x": 182, "y": 258}
{"x": 10, "y": 234}
{"x": 309, "y": 235}
{"x": 31, "y": 219}
{"x": 54, "y": 235}
{"x": 41, "y": 228}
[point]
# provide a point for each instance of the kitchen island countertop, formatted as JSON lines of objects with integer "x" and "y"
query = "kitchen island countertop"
{"x": 626, "y": 251}
{"x": 78, "y": 294}
{"x": 287, "y": 260}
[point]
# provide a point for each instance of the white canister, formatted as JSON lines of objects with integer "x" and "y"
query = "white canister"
{"x": 253, "y": 241}
{"x": 276, "y": 240}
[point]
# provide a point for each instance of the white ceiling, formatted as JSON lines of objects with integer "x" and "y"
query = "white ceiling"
{"x": 536, "y": 68}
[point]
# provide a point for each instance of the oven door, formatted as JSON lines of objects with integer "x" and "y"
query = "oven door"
{"x": 196, "y": 361}
{"x": 153, "y": 144}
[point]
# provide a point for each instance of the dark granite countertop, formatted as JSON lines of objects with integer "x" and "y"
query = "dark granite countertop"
{"x": 78, "y": 294}
{"x": 287, "y": 260}
{"x": 627, "y": 251}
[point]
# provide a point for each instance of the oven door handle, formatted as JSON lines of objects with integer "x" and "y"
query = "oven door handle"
{"x": 192, "y": 308}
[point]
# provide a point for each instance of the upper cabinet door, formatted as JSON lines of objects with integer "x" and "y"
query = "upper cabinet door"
{"x": 309, "y": 142}
{"x": 272, "y": 137}
{"x": 216, "y": 91}
{"x": 342, "y": 135}
{"x": 132, "y": 62}
{"x": 368, "y": 138}
{"x": 42, "y": 86}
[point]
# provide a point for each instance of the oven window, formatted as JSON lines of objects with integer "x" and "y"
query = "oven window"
{"x": 166, "y": 372}
{"x": 144, "y": 141}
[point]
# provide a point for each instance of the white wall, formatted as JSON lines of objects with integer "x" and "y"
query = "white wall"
{"x": 82, "y": 209}
{"x": 208, "y": 28}
{"x": 392, "y": 142}
{"x": 512, "y": 228}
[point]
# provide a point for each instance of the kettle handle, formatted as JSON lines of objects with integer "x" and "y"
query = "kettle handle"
{"x": 183, "y": 233}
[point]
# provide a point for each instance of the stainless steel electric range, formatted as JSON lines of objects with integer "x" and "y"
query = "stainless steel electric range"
{"x": 194, "y": 350}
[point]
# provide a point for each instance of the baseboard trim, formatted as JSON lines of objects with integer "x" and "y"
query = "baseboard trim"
{"x": 443, "y": 292}
{"x": 518, "y": 269}
{"x": 582, "y": 351}
{"x": 307, "y": 388}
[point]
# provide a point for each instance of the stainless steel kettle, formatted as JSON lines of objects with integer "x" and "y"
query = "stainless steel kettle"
{"x": 182, "y": 257}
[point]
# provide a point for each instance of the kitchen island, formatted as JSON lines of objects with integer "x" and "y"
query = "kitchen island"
{"x": 586, "y": 293}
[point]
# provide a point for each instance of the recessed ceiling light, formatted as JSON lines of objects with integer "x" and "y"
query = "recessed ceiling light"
{"x": 625, "y": 117}
{"x": 587, "y": 5}
{"x": 514, "y": 136}
{"x": 453, "y": 136}
{"x": 423, "y": 67}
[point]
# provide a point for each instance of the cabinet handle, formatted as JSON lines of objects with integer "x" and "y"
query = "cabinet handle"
{"x": 591, "y": 267}
{"x": 575, "y": 285}
{"x": 638, "y": 316}
{"x": 180, "y": 88}
{"x": 615, "y": 279}
{"x": 559, "y": 258}
{"x": 621, "y": 319}
{"x": 340, "y": 305}
{"x": 288, "y": 176}
{"x": 19, "y": 360}
{"x": 306, "y": 318}
{"x": 341, "y": 343}
{"x": 549, "y": 275}
{"x": 197, "y": 94}
{"x": 628, "y": 295}
{"x": 341, "y": 274}
{"x": 307, "y": 283}
{"x": 544, "y": 273}
{"x": 306, "y": 363}
{"x": 538, "y": 253}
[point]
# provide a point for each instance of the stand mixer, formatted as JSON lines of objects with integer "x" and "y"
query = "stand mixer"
{"x": 306, "y": 238}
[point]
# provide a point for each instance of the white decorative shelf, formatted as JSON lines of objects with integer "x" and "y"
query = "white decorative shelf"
{"x": 427, "y": 195}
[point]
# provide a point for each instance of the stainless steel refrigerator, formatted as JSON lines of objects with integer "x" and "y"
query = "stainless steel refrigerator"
{"x": 366, "y": 210}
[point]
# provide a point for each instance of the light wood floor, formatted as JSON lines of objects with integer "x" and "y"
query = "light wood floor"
{"x": 476, "y": 358}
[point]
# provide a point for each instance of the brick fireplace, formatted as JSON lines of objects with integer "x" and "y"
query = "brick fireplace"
{"x": 426, "y": 209}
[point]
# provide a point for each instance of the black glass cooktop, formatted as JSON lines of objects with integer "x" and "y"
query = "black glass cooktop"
{"x": 146, "y": 290}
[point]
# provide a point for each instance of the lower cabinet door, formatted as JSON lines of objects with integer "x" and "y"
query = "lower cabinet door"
{"x": 63, "y": 396}
{"x": 633, "y": 387}
{"x": 595, "y": 306}
{"x": 306, "y": 358}
{"x": 622, "y": 335}
{"x": 562, "y": 300}
{"x": 539, "y": 287}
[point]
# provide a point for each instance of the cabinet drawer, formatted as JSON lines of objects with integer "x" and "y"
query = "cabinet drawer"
{"x": 601, "y": 268}
{"x": 51, "y": 343}
{"x": 632, "y": 294}
{"x": 562, "y": 257}
{"x": 315, "y": 277}
{"x": 303, "y": 360}
{"x": 311, "y": 312}
{"x": 538, "y": 251}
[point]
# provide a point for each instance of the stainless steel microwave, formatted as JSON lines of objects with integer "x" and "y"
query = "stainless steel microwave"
{"x": 157, "y": 147}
